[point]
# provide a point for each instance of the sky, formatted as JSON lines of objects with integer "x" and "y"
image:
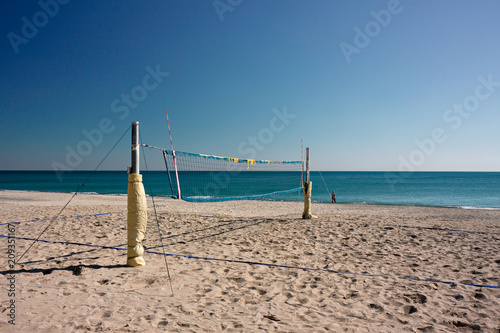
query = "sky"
{"x": 367, "y": 85}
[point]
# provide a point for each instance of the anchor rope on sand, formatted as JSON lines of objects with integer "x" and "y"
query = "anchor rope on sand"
{"x": 270, "y": 265}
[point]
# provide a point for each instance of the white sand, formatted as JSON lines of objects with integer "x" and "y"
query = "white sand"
{"x": 73, "y": 288}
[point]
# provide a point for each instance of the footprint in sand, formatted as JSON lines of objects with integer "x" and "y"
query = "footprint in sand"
{"x": 415, "y": 298}
{"x": 376, "y": 307}
{"x": 479, "y": 296}
{"x": 461, "y": 325}
{"x": 409, "y": 309}
{"x": 103, "y": 281}
{"x": 162, "y": 323}
{"x": 107, "y": 314}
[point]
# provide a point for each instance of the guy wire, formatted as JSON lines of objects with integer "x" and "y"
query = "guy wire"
{"x": 157, "y": 222}
{"x": 76, "y": 192}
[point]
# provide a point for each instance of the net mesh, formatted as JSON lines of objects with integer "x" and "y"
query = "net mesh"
{"x": 217, "y": 178}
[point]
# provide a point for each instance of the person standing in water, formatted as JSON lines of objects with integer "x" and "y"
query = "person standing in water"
{"x": 334, "y": 197}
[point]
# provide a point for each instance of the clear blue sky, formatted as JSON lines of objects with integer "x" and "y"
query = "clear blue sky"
{"x": 360, "y": 101}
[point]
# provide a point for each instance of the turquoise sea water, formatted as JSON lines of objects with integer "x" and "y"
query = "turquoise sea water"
{"x": 447, "y": 189}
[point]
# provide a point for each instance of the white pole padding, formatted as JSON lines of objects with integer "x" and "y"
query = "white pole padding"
{"x": 137, "y": 220}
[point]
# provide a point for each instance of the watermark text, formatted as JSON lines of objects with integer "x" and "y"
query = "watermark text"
{"x": 11, "y": 278}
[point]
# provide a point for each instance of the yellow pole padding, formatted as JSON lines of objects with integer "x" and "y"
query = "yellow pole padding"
{"x": 137, "y": 219}
{"x": 307, "y": 201}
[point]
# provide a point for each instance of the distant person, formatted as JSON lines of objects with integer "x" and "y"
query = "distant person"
{"x": 334, "y": 197}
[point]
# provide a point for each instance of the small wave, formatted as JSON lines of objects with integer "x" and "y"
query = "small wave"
{"x": 480, "y": 208}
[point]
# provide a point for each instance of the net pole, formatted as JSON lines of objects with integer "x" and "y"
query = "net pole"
{"x": 137, "y": 213}
{"x": 307, "y": 191}
{"x": 307, "y": 165}
{"x": 134, "y": 169}
{"x": 302, "y": 164}
{"x": 302, "y": 159}
{"x": 168, "y": 172}
{"x": 173, "y": 157}
{"x": 176, "y": 176}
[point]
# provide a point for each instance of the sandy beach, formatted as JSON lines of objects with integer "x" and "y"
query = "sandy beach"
{"x": 249, "y": 266}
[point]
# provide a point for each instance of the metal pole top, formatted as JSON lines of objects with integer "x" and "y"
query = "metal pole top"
{"x": 135, "y": 148}
{"x": 307, "y": 164}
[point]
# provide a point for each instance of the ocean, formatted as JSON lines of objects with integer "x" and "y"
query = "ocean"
{"x": 442, "y": 189}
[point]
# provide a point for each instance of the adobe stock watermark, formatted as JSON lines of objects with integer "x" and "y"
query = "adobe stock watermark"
{"x": 120, "y": 106}
{"x": 373, "y": 28}
{"x": 11, "y": 278}
{"x": 30, "y": 27}
{"x": 248, "y": 149}
{"x": 223, "y": 6}
{"x": 454, "y": 118}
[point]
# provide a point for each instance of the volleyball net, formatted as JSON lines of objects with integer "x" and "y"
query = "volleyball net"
{"x": 204, "y": 178}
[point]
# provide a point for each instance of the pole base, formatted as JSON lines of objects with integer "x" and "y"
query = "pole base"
{"x": 307, "y": 202}
{"x": 136, "y": 261}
